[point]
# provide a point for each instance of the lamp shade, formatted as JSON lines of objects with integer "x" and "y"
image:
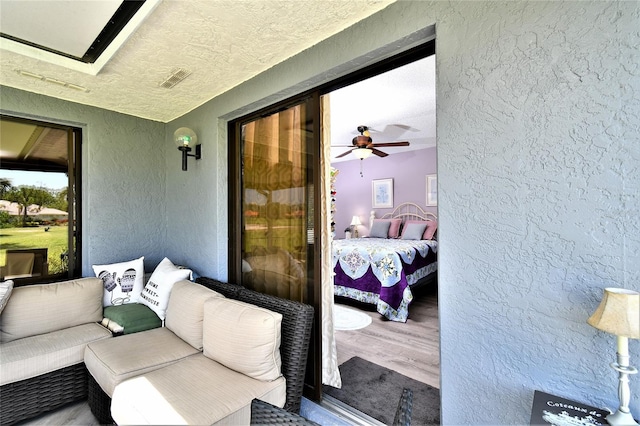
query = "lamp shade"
{"x": 184, "y": 136}
{"x": 355, "y": 221}
{"x": 618, "y": 313}
{"x": 362, "y": 153}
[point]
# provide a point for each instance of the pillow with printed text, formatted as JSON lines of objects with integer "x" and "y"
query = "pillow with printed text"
{"x": 157, "y": 291}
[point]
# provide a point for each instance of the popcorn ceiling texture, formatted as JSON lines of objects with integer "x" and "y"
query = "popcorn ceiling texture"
{"x": 539, "y": 192}
{"x": 538, "y": 109}
{"x": 206, "y": 37}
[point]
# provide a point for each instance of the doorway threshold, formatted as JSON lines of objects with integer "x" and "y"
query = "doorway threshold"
{"x": 347, "y": 413}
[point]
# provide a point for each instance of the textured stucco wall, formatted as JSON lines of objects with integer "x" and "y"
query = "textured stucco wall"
{"x": 538, "y": 153}
{"x": 538, "y": 156}
{"x": 123, "y": 177}
{"x": 353, "y": 192}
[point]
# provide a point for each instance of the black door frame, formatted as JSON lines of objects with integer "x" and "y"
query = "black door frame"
{"x": 313, "y": 381}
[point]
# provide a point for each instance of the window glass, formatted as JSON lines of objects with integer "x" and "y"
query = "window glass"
{"x": 38, "y": 207}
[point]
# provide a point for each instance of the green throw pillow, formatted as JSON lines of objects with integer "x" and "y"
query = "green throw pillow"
{"x": 133, "y": 317}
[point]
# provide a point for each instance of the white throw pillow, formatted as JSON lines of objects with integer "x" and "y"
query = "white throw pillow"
{"x": 156, "y": 293}
{"x": 123, "y": 281}
{"x": 5, "y": 292}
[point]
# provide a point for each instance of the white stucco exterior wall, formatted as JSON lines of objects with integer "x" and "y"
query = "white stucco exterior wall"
{"x": 539, "y": 187}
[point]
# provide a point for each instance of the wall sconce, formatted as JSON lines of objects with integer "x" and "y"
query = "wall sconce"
{"x": 355, "y": 222}
{"x": 186, "y": 139}
{"x": 619, "y": 314}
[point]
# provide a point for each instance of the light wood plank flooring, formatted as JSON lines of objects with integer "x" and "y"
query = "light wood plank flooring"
{"x": 410, "y": 348}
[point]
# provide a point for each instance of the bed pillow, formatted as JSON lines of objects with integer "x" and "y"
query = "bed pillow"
{"x": 6, "y": 288}
{"x": 123, "y": 282}
{"x": 155, "y": 294}
{"x": 414, "y": 231}
{"x": 380, "y": 228}
{"x": 430, "y": 230}
{"x": 394, "y": 228}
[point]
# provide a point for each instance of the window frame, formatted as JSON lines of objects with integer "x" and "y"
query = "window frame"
{"x": 74, "y": 196}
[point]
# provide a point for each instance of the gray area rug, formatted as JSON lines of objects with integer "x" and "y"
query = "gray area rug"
{"x": 376, "y": 390}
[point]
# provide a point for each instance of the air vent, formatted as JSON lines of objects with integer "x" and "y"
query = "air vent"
{"x": 177, "y": 75}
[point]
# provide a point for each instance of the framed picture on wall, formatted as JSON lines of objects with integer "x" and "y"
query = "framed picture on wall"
{"x": 432, "y": 190}
{"x": 382, "y": 193}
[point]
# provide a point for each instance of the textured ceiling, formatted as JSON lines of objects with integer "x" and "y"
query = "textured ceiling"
{"x": 399, "y": 105}
{"x": 222, "y": 43}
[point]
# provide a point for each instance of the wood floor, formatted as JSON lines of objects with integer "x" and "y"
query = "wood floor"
{"x": 410, "y": 348}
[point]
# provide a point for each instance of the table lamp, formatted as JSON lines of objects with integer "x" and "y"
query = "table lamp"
{"x": 619, "y": 314}
{"x": 355, "y": 222}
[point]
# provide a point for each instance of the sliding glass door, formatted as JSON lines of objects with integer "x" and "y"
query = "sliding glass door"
{"x": 277, "y": 204}
{"x": 274, "y": 176}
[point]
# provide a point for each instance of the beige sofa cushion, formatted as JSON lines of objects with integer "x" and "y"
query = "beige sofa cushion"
{"x": 110, "y": 362}
{"x": 32, "y": 356}
{"x": 185, "y": 311}
{"x": 216, "y": 395}
{"x": 243, "y": 337}
{"x": 38, "y": 309}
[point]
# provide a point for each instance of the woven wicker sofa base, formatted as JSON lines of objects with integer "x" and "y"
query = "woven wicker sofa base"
{"x": 29, "y": 398}
{"x": 99, "y": 402}
{"x": 263, "y": 413}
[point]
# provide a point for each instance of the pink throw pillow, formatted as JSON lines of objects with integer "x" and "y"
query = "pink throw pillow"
{"x": 394, "y": 228}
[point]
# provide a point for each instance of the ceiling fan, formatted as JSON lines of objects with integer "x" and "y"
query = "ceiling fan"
{"x": 363, "y": 145}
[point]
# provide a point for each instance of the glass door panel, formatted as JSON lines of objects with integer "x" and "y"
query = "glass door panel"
{"x": 277, "y": 204}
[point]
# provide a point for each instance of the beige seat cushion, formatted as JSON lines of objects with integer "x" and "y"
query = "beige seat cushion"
{"x": 38, "y": 309}
{"x": 185, "y": 311}
{"x": 196, "y": 390}
{"x": 243, "y": 337}
{"x": 110, "y": 362}
{"x": 32, "y": 356}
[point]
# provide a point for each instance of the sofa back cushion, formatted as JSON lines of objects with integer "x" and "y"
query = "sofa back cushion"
{"x": 42, "y": 308}
{"x": 185, "y": 311}
{"x": 243, "y": 337}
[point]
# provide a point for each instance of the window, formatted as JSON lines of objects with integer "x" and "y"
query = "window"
{"x": 40, "y": 200}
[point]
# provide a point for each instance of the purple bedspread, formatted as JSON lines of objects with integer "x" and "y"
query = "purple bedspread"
{"x": 381, "y": 271}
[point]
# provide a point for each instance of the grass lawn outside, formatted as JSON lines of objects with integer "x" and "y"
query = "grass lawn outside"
{"x": 23, "y": 238}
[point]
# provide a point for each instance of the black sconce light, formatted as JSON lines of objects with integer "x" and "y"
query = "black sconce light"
{"x": 185, "y": 139}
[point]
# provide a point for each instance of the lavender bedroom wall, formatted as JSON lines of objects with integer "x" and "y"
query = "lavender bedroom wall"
{"x": 353, "y": 192}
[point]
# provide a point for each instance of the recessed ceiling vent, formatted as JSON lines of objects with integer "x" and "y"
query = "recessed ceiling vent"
{"x": 176, "y": 76}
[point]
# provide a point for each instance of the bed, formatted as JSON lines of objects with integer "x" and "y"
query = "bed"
{"x": 385, "y": 267}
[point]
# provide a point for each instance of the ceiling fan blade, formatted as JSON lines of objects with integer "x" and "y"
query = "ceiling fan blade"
{"x": 404, "y": 143}
{"x": 379, "y": 153}
{"x": 345, "y": 153}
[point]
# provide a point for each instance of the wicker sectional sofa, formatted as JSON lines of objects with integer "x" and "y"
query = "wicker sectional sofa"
{"x": 44, "y": 330}
{"x": 179, "y": 370}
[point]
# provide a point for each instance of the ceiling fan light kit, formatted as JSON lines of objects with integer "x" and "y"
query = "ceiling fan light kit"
{"x": 362, "y": 153}
{"x": 362, "y": 146}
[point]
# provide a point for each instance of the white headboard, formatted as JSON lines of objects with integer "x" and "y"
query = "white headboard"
{"x": 405, "y": 211}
